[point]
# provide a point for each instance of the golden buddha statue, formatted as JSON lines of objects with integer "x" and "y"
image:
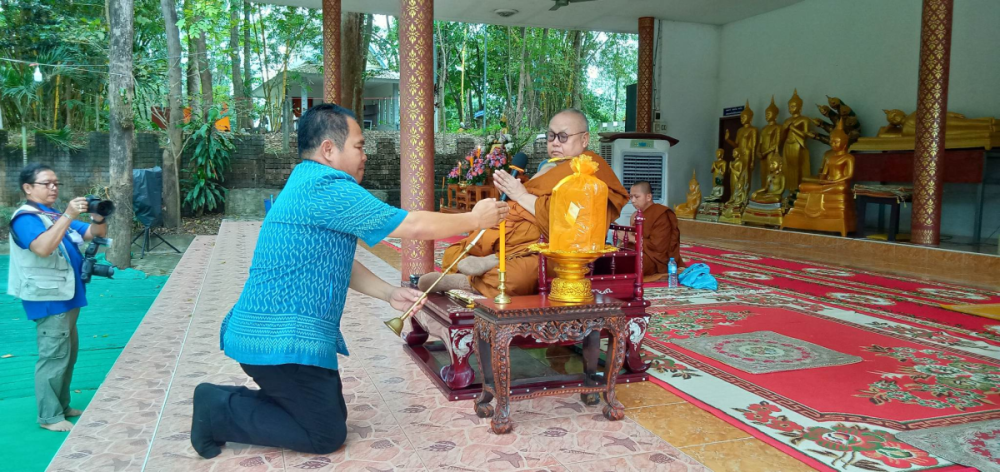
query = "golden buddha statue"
{"x": 794, "y": 132}
{"x": 712, "y": 206}
{"x": 765, "y": 206}
{"x": 836, "y": 111}
{"x": 718, "y": 177}
{"x": 747, "y": 137}
{"x": 824, "y": 203}
{"x": 770, "y": 140}
{"x": 959, "y": 131}
{"x": 739, "y": 180}
{"x": 689, "y": 208}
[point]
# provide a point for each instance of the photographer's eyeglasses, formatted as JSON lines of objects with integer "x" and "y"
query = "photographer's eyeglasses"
{"x": 563, "y": 137}
{"x": 49, "y": 185}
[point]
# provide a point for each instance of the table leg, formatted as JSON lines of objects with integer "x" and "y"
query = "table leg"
{"x": 591, "y": 358}
{"x": 894, "y": 222}
{"x": 860, "y": 210}
{"x": 500, "y": 350}
{"x": 633, "y": 349}
{"x": 459, "y": 373}
{"x": 417, "y": 335}
{"x": 484, "y": 351}
{"x": 614, "y": 410}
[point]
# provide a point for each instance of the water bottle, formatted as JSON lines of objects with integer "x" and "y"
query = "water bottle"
{"x": 672, "y": 273}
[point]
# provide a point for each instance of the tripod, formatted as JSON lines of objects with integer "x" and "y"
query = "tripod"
{"x": 145, "y": 234}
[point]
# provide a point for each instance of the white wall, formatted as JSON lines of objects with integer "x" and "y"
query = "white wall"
{"x": 689, "y": 67}
{"x": 865, "y": 52}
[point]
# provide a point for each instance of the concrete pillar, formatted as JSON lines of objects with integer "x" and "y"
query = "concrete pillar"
{"x": 416, "y": 143}
{"x": 644, "y": 92}
{"x": 932, "y": 106}
{"x": 331, "y": 51}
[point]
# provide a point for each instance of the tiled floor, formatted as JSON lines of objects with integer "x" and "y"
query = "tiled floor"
{"x": 140, "y": 418}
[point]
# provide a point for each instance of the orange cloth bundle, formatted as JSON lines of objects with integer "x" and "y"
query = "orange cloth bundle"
{"x": 578, "y": 216}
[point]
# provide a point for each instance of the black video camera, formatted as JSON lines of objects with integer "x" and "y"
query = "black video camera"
{"x": 101, "y": 207}
{"x": 90, "y": 265}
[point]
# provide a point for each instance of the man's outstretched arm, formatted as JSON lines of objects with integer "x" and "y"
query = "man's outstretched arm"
{"x": 426, "y": 225}
{"x": 364, "y": 281}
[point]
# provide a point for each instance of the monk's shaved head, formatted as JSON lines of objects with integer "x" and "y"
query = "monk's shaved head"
{"x": 643, "y": 188}
{"x": 573, "y": 125}
{"x": 577, "y": 116}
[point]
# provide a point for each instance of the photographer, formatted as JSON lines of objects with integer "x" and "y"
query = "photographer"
{"x": 45, "y": 273}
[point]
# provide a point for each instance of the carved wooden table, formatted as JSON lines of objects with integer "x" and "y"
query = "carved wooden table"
{"x": 496, "y": 325}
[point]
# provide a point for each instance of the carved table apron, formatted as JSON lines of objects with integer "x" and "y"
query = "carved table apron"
{"x": 496, "y": 325}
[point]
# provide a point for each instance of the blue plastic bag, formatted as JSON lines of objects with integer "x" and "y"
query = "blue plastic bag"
{"x": 698, "y": 276}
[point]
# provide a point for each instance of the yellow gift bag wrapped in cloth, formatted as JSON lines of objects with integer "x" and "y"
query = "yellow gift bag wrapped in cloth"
{"x": 578, "y": 216}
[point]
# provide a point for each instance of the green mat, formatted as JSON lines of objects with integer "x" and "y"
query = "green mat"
{"x": 116, "y": 307}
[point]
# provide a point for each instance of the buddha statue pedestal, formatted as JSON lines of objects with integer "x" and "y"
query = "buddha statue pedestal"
{"x": 709, "y": 211}
{"x": 732, "y": 214}
{"x": 768, "y": 214}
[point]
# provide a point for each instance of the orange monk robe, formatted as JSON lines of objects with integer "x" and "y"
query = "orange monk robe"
{"x": 661, "y": 240}
{"x": 523, "y": 229}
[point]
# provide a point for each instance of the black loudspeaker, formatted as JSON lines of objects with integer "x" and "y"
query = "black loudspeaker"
{"x": 147, "y": 202}
{"x": 630, "y": 105}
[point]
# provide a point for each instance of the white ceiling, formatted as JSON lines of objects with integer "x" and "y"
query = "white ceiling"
{"x": 597, "y": 15}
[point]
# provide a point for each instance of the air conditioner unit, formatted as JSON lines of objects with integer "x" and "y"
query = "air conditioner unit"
{"x": 637, "y": 159}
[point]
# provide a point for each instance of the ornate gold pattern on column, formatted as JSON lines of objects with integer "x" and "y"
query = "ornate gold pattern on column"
{"x": 416, "y": 117}
{"x": 331, "y": 51}
{"x": 932, "y": 106}
{"x": 644, "y": 92}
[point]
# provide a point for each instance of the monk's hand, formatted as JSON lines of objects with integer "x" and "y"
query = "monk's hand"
{"x": 489, "y": 211}
{"x": 401, "y": 298}
{"x": 510, "y": 185}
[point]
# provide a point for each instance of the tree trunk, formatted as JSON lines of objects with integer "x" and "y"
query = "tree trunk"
{"x": 234, "y": 57}
{"x": 247, "y": 106}
{"x": 207, "y": 98}
{"x": 350, "y": 67}
{"x": 443, "y": 81}
{"x": 172, "y": 154}
{"x": 194, "y": 102}
{"x": 122, "y": 91}
{"x": 359, "y": 86}
{"x": 461, "y": 83}
{"x": 517, "y": 121}
{"x": 575, "y": 88}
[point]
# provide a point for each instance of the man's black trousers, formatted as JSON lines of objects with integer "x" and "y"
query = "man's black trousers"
{"x": 298, "y": 407}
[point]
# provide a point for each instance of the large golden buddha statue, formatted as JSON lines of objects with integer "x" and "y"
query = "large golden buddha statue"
{"x": 712, "y": 206}
{"x": 689, "y": 208}
{"x": 747, "y": 138}
{"x": 739, "y": 181}
{"x": 770, "y": 140}
{"x": 959, "y": 132}
{"x": 824, "y": 203}
{"x": 765, "y": 206}
{"x": 795, "y": 132}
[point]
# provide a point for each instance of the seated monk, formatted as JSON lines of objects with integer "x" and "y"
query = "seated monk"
{"x": 529, "y": 216}
{"x": 661, "y": 238}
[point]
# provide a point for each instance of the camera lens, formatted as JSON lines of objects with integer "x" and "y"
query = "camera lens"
{"x": 101, "y": 207}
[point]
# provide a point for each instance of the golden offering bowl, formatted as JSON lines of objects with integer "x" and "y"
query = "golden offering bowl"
{"x": 571, "y": 284}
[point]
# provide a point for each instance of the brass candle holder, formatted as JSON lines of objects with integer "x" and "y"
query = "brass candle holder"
{"x": 502, "y": 298}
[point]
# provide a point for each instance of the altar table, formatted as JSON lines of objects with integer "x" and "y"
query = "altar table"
{"x": 552, "y": 322}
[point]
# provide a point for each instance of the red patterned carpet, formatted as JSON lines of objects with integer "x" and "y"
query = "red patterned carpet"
{"x": 921, "y": 365}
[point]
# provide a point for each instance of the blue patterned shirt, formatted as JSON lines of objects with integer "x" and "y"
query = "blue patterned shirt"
{"x": 290, "y": 308}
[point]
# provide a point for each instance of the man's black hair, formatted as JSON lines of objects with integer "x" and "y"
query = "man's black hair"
{"x": 325, "y": 121}
{"x": 30, "y": 172}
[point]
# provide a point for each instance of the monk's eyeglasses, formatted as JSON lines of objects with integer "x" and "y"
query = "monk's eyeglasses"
{"x": 563, "y": 137}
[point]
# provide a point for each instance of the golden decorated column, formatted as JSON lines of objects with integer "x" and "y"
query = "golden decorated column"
{"x": 932, "y": 106}
{"x": 331, "y": 51}
{"x": 416, "y": 124}
{"x": 644, "y": 92}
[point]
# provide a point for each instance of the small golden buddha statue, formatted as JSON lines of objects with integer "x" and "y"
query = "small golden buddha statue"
{"x": 770, "y": 140}
{"x": 959, "y": 131}
{"x": 774, "y": 186}
{"x": 747, "y": 137}
{"x": 824, "y": 203}
{"x": 795, "y": 132}
{"x": 689, "y": 208}
{"x": 739, "y": 180}
{"x": 718, "y": 177}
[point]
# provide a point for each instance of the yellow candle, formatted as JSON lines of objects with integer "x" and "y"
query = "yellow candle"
{"x": 503, "y": 246}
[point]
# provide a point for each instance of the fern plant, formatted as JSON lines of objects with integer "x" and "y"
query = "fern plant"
{"x": 212, "y": 149}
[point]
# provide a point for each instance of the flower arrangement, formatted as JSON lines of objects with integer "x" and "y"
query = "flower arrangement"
{"x": 476, "y": 168}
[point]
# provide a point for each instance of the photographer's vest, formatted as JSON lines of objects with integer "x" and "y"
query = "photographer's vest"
{"x": 39, "y": 279}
